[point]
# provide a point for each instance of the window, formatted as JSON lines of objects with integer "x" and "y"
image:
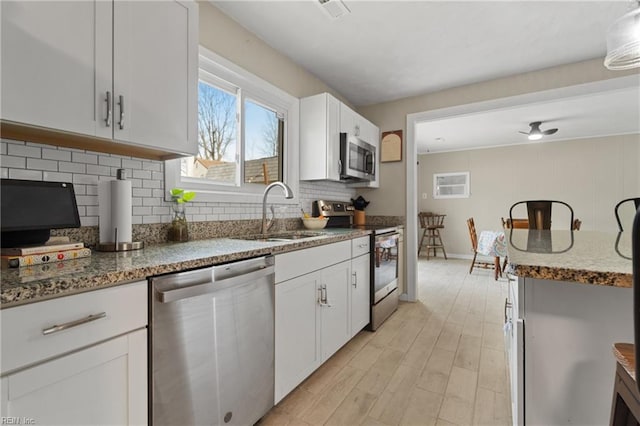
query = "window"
{"x": 451, "y": 185}
{"x": 247, "y": 136}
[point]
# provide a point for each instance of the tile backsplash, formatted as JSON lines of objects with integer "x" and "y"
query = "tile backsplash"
{"x": 20, "y": 160}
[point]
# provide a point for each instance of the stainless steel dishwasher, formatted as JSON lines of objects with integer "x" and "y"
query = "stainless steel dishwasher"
{"x": 212, "y": 345}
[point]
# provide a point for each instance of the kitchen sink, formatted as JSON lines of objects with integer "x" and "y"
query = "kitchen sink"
{"x": 280, "y": 237}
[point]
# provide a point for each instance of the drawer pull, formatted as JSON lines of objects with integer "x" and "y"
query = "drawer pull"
{"x": 71, "y": 324}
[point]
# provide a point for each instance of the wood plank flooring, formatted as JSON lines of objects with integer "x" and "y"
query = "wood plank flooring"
{"x": 439, "y": 361}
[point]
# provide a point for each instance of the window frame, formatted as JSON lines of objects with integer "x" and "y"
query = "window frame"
{"x": 216, "y": 69}
{"x": 466, "y": 185}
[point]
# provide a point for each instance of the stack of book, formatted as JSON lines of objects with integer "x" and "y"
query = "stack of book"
{"x": 50, "y": 252}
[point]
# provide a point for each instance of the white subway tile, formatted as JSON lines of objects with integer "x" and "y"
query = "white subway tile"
{"x": 131, "y": 164}
{"x": 151, "y": 201}
{"x": 89, "y": 221}
{"x": 151, "y": 219}
{"x": 161, "y": 210}
{"x": 154, "y": 166}
{"x": 85, "y": 179}
{"x": 142, "y": 174}
{"x": 158, "y": 193}
{"x": 157, "y": 176}
{"x": 151, "y": 184}
{"x": 25, "y": 174}
{"x": 79, "y": 157}
{"x": 82, "y": 211}
{"x": 38, "y": 164}
{"x": 4, "y": 173}
{"x": 13, "y": 162}
{"x": 91, "y": 210}
{"x": 72, "y": 167}
{"x": 142, "y": 211}
{"x": 59, "y": 177}
{"x": 141, "y": 192}
{"x": 104, "y": 160}
{"x": 24, "y": 151}
{"x": 3, "y": 148}
{"x": 136, "y": 220}
{"x": 79, "y": 189}
{"x": 136, "y": 201}
{"x": 93, "y": 169}
{"x": 87, "y": 200}
{"x": 92, "y": 189}
{"x": 56, "y": 154}
{"x": 136, "y": 183}
{"x": 199, "y": 217}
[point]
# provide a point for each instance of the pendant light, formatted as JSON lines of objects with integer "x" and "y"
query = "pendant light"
{"x": 623, "y": 42}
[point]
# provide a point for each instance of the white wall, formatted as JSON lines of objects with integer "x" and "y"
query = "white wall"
{"x": 591, "y": 175}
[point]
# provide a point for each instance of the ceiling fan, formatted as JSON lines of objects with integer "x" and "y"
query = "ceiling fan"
{"x": 535, "y": 133}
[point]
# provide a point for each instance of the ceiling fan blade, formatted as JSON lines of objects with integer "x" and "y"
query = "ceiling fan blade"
{"x": 524, "y": 133}
{"x": 549, "y": 132}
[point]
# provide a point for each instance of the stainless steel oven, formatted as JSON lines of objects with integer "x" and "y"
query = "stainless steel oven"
{"x": 384, "y": 289}
{"x": 357, "y": 158}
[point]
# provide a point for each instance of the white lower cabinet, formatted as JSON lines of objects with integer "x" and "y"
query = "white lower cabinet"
{"x": 321, "y": 301}
{"x": 312, "y": 323}
{"x": 77, "y": 360}
{"x": 360, "y": 293}
{"x": 103, "y": 384}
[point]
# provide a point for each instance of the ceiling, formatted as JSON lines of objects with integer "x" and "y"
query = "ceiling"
{"x": 388, "y": 50}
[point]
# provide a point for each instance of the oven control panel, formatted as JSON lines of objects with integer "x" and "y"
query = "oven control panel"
{"x": 332, "y": 208}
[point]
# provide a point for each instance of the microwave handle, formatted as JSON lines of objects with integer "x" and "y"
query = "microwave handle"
{"x": 340, "y": 167}
{"x": 373, "y": 163}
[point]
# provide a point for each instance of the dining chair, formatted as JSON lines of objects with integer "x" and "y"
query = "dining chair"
{"x": 431, "y": 223}
{"x": 636, "y": 203}
{"x": 515, "y": 223}
{"x": 475, "y": 263}
{"x": 539, "y": 213}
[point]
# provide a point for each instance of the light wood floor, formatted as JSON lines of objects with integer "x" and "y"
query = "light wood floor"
{"x": 439, "y": 361}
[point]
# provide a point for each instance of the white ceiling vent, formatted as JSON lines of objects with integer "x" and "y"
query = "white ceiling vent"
{"x": 335, "y": 8}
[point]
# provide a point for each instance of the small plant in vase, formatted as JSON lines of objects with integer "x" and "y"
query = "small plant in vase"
{"x": 179, "y": 229}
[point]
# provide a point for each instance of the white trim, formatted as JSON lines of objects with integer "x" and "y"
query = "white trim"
{"x": 411, "y": 236}
{"x": 261, "y": 92}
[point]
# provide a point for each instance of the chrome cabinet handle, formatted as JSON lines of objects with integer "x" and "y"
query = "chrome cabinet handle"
{"x": 67, "y": 325}
{"x": 355, "y": 279}
{"x": 507, "y": 305}
{"x": 121, "y": 104}
{"x": 108, "y": 101}
{"x": 323, "y": 297}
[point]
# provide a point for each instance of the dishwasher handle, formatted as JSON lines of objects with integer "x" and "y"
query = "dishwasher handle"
{"x": 212, "y": 285}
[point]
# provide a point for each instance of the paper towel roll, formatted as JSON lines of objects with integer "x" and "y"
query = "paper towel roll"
{"x": 114, "y": 211}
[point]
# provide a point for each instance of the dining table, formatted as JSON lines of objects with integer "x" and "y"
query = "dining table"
{"x": 493, "y": 244}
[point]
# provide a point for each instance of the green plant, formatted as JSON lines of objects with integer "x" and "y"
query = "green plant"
{"x": 181, "y": 196}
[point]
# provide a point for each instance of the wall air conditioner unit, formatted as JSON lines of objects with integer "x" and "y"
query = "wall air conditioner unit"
{"x": 335, "y": 8}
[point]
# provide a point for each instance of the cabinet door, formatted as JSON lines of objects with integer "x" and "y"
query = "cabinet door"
{"x": 349, "y": 121}
{"x": 360, "y": 293}
{"x": 335, "y": 313}
{"x": 155, "y": 74}
{"x": 297, "y": 331}
{"x": 320, "y": 138}
{"x": 56, "y": 64}
{"x": 103, "y": 384}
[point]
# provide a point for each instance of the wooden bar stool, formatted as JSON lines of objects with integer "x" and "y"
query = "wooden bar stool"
{"x": 625, "y": 407}
{"x": 431, "y": 223}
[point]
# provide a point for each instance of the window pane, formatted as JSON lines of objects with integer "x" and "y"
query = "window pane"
{"x": 263, "y": 136}
{"x": 217, "y": 137}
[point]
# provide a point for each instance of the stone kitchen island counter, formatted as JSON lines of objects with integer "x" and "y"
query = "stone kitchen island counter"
{"x": 559, "y": 330}
{"x": 588, "y": 257}
{"x": 32, "y": 284}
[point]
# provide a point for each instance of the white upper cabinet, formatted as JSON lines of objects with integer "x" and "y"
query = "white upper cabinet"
{"x": 56, "y": 64}
{"x": 322, "y": 119}
{"x": 155, "y": 63}
{"x": 117, "y": 70}
{"x": 320, "y": 138}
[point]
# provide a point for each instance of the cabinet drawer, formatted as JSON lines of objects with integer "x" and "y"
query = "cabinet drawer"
{"x": 360, "y": 246}
{"x": 300, "y": 262}
{"x": 24, "y": 340}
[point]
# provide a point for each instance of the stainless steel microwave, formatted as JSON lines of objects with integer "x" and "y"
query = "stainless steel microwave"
{"x": 357, "y": 158}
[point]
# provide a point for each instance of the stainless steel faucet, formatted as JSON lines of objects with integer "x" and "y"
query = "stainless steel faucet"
{"x": 288, "y": 193}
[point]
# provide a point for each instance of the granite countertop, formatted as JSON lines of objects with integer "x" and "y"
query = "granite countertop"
{"x": 589, "y": 257}
{"x": 35, "y": 283}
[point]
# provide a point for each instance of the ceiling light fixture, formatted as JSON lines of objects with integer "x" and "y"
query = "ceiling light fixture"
{"x": 535, "y": 133}
{"x": 623, "y": 41}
